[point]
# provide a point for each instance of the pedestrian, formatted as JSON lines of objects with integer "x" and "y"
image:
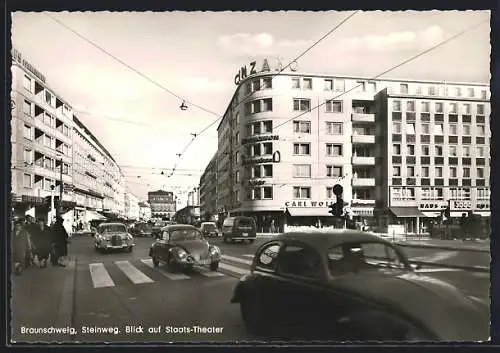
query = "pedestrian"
{"x": 59, "y": 243}
{"x": 30, "y": 227}
{"x": 20, "y": 246}
{"x": 42, "y": 242}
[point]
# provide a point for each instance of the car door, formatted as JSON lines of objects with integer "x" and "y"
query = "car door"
{"x": 163, "y": 245}
{"x": 302, "y": 290}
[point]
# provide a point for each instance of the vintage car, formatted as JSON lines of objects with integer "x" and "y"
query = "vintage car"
{"x": 209, "y": 229}
{"x": 351, "y": 286}
{"x": 182, "y": 246}
{"x": 111, "y": 236}
{"x": 141, "y": 229}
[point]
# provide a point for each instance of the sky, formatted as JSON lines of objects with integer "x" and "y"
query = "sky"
{"x": 196, "y": 55}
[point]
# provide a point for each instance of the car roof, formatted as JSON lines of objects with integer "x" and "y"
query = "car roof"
{"x": 178, "y": 226}
{"x": 325, "y": 240}
{"x": 112, "y": 224}
{"x": 207, "y": 223}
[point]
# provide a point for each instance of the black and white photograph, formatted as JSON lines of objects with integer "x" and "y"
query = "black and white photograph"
{"x": 246, "y": 176}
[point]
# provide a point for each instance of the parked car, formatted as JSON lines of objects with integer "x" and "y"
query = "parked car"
{"x": 239, "y": 228}
{"x": 209, "y": 229}
{"x": 182, "y": 246}
{"x": 351, "y": 285}
{"x": 111, "y": 236}
{"x": 141, "y": 229}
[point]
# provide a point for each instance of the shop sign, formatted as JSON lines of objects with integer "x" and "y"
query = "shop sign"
{"x": 483, "y": 205}
{"x": 460, "y": 205}
{"x": 430, "y": 206}
{"x": 16, "y": 56}
{"x": 308, "y": 203}
{"x": 267, "y": 65}
{"x": 276, "y": 158}
{"x": 259, "y": 139}
{"x": 33, "y": 199}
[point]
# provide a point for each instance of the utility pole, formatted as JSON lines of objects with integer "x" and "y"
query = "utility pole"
{"x": 61, "y": 184}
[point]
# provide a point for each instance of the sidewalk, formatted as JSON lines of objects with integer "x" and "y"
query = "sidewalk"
{"x": 481, "y": 245}
{"x": 42, "y": 298}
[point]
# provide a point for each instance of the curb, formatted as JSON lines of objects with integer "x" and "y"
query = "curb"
{"x": 440, "y": 247}
{"x": 458, "y": 267}
{"x": 65, "y": 313}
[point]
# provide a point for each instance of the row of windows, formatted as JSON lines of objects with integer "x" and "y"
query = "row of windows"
{"x": 48, "y": 141}
{"x": 42, "y": 160}
{"x": 438, "y": 172}
{"x": 438, "y": 129}
{"x": 29, "y": 85}
{"x": 304, "y": 149}
{"x": 438, "y": 150}
{"x": 465, "y": 108}
{"x": 49, "y": 120}
{"x": 433, "y": 90}
{"x": 43, "y": 183}
{"x": 436, "y": 193}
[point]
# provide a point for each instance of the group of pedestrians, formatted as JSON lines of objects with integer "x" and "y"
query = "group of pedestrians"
{"x": 37, "y": 240}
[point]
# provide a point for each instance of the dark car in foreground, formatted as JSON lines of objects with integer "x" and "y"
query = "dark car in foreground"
{"x": 351, "y": 285}
{"x": 182, "y": 246}
{"x": 113, "y": 236}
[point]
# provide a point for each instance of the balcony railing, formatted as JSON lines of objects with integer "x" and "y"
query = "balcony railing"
{"x": 363, "y": 160}
{"x": 363, "y": 182}
{"x": 363, "y": 138}
{"x": 363, "y": 117}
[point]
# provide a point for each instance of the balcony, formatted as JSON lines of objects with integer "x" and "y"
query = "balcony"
{"x": 363, "y": 182}
{"x": 363, "y": 138}
{"x": 363, "y": 117}
{"x": 363, "y": 160}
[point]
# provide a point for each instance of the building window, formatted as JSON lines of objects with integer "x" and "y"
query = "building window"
{"x": 396, "y": 128}
{"x": 466, "y": 172}
{"x": 438, "y": 150}
{"x": 267, "y": 82}
{"x": 480, "y": 130}
{"x": 300, "y": 192}
{"x": 432, "y": 90}
{"x": 410, "y": 129}
{"x": 480, "y": 151}
{"x": 453, "y": 172}
{"x": 267, "y": 171}
{"x": 237, "y": 176}
{"x": 333, "y": 171}
{"x": 438, "y": 172}
{"x": 257, "y": 194}
{"x": 425, "y": 107}
{"x": 301, "y": 171}
{"x": 396, "y": 171}
{"x": 466, "y": 109}
{"x": 483, "y": 194}
{"x": 303, "y": 127}
{"x": 465, "y": 151}
{"x": 236, "y": 119}
{"x": 339, "y": 85}
{"x": 410, "y": 150}
{"x": 453, "y": 129}
{"x": 302, "y": 149}
{"x": 453, "y": 151}
{"x": 267, "y": 192}
{"x": 432, "y": 194}
{"x": 410, "y": 106}
{"x": 334, "y": 150}
{"x": 458, "y": 92}
{"x": 470, "y": 92}
{"x": 480, "y": 109}
{"x": 268, "y": 148}
{"x": 466, "y": 129}
{"x": 328, "y": 85}
{"x": 295, "y": 82}
{"x": 27, "y": 83}
{"x": 65, "y": 150}
{"x": 453, "y": 108}
{"x": 27, "y": 181}
{"x": 28, "y": 156}
{"x": 301, "y": 105}
{"x": 256, "y": 85}
{"x": 403, "y": 88}
{"x": 333, "y": 128}
{"x": 410, "y": 171}
{"x": 480, "y": 173}
{"x": 425, "y": 129}
{"x": 27, "y": 107}
{"x": 307, "y": 83}
{"x": 47, "y": 141}
{"x": 48, "y": 98}
{"x": 439, "y": 107}
{"x": 237, "y": 138}
{"x": 267, "y": 105}
{"x": 483, "y": 94}
{"x": 460, "y": 193}
{"x": 333, "y": 106}
{"x": 425, "y": 150}
{"x": 396, "y": 105}
{"x": 438, "y": 129}
{"x": 396, "y": 149}
{"x": 401, "y": 194}
{"x": 28, "y": 132}
{"x": 256, "y": 150}
{"x": 268, "y": 126}
{"x": 425, "y": 172}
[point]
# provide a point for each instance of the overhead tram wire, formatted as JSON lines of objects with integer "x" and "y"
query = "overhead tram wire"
{"x": 390, "y": 69}
{"x": 130, "y": 67}
{"x": 244, "y": 100}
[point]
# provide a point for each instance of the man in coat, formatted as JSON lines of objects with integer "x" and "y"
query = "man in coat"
{"x": 20, "y": 246}
{"x": 59, "y": 241}
{"x": 42, "y": 241}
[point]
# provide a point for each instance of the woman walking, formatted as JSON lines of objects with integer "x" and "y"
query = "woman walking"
{"x": 20, "y": 246}
{"x": 60, "y": 242}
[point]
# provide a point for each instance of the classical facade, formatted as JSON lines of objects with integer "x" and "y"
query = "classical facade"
{"x": 163, "y": 204}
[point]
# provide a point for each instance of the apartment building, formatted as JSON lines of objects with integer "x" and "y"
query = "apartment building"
{"x": 163, "y": 204}
{"x": 279, "y": 156}
{"x": 208, "y": 191}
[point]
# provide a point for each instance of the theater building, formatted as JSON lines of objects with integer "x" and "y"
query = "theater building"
{"x": 279, "y": 156}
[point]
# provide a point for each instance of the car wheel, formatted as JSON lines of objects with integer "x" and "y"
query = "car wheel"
{"x": 130, "y": 248}
{"x": 172, "y": 265}
{"x": 214, "y": 266}
{"x": 251, "y": 241}
{"x": 156, "y": 263}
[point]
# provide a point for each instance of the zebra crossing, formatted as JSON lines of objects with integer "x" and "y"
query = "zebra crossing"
{"x": 142, "y": 271}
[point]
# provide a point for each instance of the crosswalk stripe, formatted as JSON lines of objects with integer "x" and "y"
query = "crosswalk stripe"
{"x": 100, "y": 276}
{"x": 236, "y": 259}
{"x": 205, "y": 272}
{"x": 172, "y": 276}
{"x": 233, "y": 269}
{"x": 136, "y": 276}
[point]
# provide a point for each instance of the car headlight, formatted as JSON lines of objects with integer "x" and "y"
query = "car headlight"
{"x": 181, "y": 253}
{"x": 214, "y": 250}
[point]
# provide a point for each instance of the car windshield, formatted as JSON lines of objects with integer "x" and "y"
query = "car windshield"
{"x": 113, "y": 228}
{"x": 244, "y": 223}
{"x": 363, "y": 256}
{"x": 208, "y": 227}
{"x": 185, "y": 234}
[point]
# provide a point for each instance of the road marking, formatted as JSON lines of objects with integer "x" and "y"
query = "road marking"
{"x": 249, "y": 255}
{"x": 233, "y": 269}
{"x": 136, "y": 276}
{"x": 172, "y": 276}
{"x": 100, "y": 276}
{"x": 205, "y": 272}
{"x": 236, "y": 259}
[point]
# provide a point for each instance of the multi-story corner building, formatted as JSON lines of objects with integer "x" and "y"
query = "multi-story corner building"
{"x": 144, "y": 211}
{"x": 163, "y": 204}
{"x": 435, "y": 152}
{"x": 41, "y": 140}
{"x": 279, "y": 156}
{"x": 208, "y": 191}
{"x": 132, "y": 211}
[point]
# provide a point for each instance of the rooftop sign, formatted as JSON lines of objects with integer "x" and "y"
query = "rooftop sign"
{"x": 266, "y": 65}
{"x": 17, "y": 57}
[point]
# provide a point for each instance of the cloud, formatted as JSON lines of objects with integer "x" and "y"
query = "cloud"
{"x": 248, "y": 43}
{"x": 204, "y": 84}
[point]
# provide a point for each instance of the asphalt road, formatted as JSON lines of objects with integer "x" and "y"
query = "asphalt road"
{"x": 122, "y": 296}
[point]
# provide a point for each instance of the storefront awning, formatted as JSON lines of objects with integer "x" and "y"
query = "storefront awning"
{"x": 406, "y": 212}
{"x": 308, "y": 212}
{"x": 431, "y": 214}
{"x": 93, "y": 216}
{"x": 483, "y": 213}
